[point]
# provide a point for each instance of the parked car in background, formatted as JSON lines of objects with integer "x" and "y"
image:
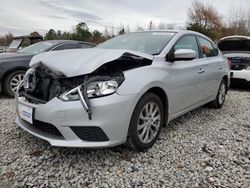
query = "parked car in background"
{"x": 237, "y": 50}
{"x": 3, "y": 49}
{"x": 23, "y": 41}
{"x": 121, "y": 91}
{"x": 14, "y": 65}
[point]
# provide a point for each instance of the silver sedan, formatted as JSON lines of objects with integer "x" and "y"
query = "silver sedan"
{"x": 122, "y": 91}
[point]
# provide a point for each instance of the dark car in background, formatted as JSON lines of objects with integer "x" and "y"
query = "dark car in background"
{"x": 14, "y": 65}
{"x": 23, "y": 41}
{"x": 237, "y": 50}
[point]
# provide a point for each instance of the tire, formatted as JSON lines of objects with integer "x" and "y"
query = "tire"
{"x": 144, "y": 126}
{"x": 218, "y": 102}
{"x": 11, "y": 81}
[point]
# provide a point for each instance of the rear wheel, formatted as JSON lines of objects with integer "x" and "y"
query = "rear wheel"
{"x": 146, "y": 122}
{"x": 221, "y": 96}
{"x": 12, "y": 81}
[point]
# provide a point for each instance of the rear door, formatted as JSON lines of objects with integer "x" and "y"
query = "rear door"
{"x": 211, "y": 63}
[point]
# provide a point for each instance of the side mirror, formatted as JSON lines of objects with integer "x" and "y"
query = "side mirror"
{"x": 184, "y": 54}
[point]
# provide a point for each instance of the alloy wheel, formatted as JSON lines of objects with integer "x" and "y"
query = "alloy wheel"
{"x": 15, "y": 81}
{"x": 149, "y": 122}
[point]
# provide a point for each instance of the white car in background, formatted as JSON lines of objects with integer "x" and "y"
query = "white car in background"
{"x": 237, "y": 50}
{"x": 121, "y": 91}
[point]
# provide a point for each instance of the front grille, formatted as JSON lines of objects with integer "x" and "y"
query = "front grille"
{"x": 91, "y": 134}
{"x": 46, "y": 128}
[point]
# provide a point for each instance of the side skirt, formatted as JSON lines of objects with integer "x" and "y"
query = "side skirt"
{"x": 189, "y": 110}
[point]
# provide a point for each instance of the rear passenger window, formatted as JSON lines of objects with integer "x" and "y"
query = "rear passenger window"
{"x": 187, "y": 42}
{"x": 207, "y": 48}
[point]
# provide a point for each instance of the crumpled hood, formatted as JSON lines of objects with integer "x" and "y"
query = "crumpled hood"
{"x": 77, "y": 62}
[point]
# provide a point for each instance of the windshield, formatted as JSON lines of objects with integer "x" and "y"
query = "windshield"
{"x": 38, "y": 47}
{"x": 236, "y": 45}
{"x": 15, "y": 43}
{"x": 146, "y": 42}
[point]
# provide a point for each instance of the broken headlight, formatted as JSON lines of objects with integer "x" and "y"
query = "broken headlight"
{"x": 93, "y": 90}
{"x": 101, "y": 88}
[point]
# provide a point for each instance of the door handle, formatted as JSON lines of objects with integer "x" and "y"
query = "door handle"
{"x": 201, "y": 71}
{"x": 220, "y": 67}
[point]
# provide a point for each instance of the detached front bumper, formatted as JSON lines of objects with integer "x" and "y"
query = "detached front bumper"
{"x": 67, "y": 124}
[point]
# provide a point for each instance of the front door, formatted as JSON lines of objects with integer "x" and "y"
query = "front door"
{"x": 186, "y": 78}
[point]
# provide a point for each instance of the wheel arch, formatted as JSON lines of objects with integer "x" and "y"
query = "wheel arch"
{"x": 225, "y": 77}
{"x": 163, "y": 97}
{"x": 9, "y": 71}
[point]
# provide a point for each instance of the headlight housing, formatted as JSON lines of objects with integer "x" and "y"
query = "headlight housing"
{"x": 102, "y": 88}
{"x": 93, "y": 89}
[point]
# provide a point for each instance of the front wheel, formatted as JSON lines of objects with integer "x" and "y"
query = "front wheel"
{"x": 146, "y": 122}
{"x": 221, "y": 96}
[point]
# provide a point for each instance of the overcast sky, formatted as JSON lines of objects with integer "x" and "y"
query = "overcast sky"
{"x": 25, "y": 16}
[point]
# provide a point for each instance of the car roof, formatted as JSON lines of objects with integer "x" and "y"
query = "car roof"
{"x": 170, "y": 30}
{"x": 180, "y": 31}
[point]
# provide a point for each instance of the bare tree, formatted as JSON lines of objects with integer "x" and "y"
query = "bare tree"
{"x": 248, "y": 19}
{"x": 112, "y": 31}
{"x": 161, "y": 26}
{"x": 127, "y": 30}
{"x": 239, "y": 20}
{"x": 171, "y": 26}
{"x": 106, "y": 33}
{"x": 205, "y": 19}
{"x": 151, "y": 25}
{"x": 6, "y": 39}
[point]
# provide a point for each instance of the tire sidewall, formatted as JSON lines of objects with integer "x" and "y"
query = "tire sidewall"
{"x": 6, "y": 84}
{"x": 133, "y": 133}
{"x": 217, "y": 98}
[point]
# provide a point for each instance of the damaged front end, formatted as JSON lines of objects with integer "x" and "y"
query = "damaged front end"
{"x": 42, "y": 85}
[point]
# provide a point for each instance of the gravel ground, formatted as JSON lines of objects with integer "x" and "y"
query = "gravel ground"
{"x": 204, "y": 148}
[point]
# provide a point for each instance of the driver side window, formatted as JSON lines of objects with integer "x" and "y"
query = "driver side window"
{"x": 187, "y": 42}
